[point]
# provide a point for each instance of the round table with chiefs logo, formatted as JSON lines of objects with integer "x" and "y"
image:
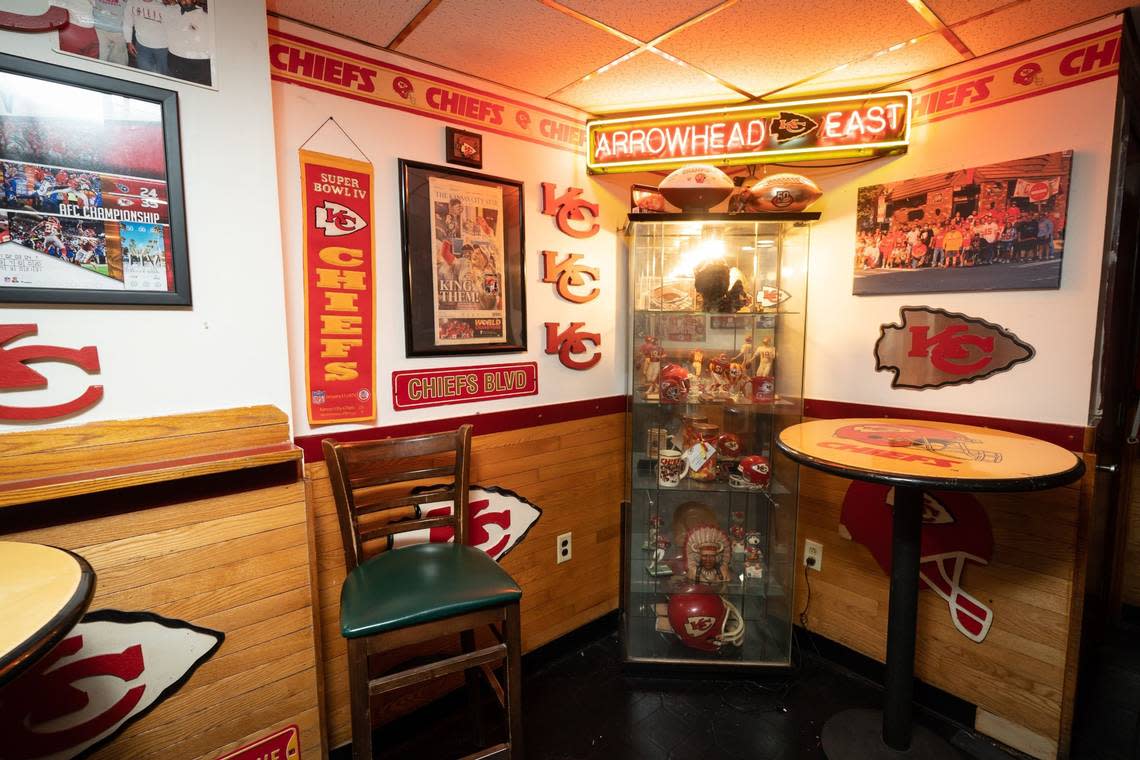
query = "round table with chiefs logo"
{"x": 44, "y": 592}
{"x": 910, "y": 456}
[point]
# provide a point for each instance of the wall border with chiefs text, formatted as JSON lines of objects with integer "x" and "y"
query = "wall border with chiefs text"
{"x": 1109, "y": 33}
{"x": 331, "y": 89}
{"x": 486, "y": 423}
{"x": 1072, "y": 437}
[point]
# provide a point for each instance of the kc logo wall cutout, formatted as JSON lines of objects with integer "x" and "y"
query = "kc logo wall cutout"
{"x": 111, "y": 670}
{"x": 569, "y": 274}
{"x": 570, "y": 206}
{"x": 572, "y": 342}
{"x": 500, "y": 519}
{"x": 16, "y": 375}
{"x": 931, "y": 348}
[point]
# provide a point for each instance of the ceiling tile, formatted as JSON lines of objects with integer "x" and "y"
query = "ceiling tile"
{"x": 525, "y": 45}
{"x": 926, "y": 54}
{"x": 953, "y": 11}
{"x": 640, "y": 19}
{"x": 762, "y": 46}
{"x": 1030, "y": 19}
{"x": 377, "y": 23}
{"x": 645, "y": 82}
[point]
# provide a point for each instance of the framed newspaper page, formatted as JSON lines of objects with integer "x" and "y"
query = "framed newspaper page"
{"x": 463, "y": 261}
{"x": 91, "y": 204}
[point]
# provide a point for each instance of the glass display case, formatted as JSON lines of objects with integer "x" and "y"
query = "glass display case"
{"x": 717, "y": 307}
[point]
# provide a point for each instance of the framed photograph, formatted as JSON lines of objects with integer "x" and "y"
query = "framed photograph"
{"x": 464, "y": 148}
{"x": 994, "y": 227}
{"x": 643, "y": 199}
{"x": 463, "y": 261}
{"x": 169, "y": 39}
{"x": 91, "y": 209}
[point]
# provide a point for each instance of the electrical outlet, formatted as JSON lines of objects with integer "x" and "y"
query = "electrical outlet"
{"x": 813, "y": 550}
{"x": 563, "y": 548}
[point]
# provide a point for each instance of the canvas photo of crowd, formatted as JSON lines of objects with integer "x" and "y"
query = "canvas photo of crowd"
{"x": 994, "y": 227}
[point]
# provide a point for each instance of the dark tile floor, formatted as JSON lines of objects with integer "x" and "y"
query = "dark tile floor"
{"x": 1108, "y": 721}
{"x": 581, "y": 704}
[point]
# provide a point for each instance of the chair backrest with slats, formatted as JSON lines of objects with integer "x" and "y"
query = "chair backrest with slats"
{"x": 371, "y": 484}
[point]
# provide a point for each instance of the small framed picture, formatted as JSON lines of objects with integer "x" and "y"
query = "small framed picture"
{"x": 464, "y": 148}
{"x": 646, "y": 199}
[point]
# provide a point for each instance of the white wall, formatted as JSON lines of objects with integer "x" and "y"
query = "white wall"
{"x": 1059, "y": 324}
{"x": 229, "y": 349}
{"x": 386, "y": 135}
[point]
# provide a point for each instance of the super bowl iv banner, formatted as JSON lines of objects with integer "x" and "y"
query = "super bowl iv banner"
{"x": 340, "y": 319}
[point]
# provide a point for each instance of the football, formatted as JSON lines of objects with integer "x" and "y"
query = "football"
{"x": 698, "y": 187}
{"x": 783, "y": 192}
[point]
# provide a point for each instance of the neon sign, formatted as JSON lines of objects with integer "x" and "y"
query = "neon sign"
{"x": 800, "y": 130}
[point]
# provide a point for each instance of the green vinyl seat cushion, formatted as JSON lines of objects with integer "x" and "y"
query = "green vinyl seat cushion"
{"x": 420, "y": 584}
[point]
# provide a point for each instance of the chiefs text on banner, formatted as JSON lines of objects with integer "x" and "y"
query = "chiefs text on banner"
{"x": 340, "y": 340}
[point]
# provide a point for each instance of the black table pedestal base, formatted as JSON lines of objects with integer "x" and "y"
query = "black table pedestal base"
{"x": 858, "y": 735}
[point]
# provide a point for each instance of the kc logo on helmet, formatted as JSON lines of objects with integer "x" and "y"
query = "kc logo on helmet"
{"x": 337, "y": 220}
{"x": 931, "y": 348}
{"x": 112, "y": 669}
{"x": 499, "y": 520}
{"x": 16, "y": 375}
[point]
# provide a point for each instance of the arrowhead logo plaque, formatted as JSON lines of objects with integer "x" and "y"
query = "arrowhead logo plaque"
{"x": 931, "y": 348}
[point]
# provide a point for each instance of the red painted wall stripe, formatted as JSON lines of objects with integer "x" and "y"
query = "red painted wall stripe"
{"x": 1071, "y": 437}
{"x": 485, "y": 424}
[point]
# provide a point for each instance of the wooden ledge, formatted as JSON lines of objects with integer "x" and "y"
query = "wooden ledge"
{"x": 103, "y": 456}
{"x": 41, "y": 489}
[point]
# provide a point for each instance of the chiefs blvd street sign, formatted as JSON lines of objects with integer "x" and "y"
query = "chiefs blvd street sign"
{"x": 799, "y": 130}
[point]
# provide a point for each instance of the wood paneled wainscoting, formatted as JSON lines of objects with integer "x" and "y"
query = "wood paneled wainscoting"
{"x": 1022, "y": 676}
{"x": 199, "y": 518}
{"x": 568, "y": 460}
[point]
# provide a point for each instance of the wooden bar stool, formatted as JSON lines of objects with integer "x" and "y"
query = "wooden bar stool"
{"x": 394, "y": 597}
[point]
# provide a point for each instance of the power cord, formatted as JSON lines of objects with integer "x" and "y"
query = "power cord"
{"x": 809, "y": 563}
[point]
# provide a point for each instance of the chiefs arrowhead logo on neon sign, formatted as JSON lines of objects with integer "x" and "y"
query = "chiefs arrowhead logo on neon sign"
{"x": 499, "y": 520}
{"x": 800, "y": 130}
{"x": 112, "y": 669}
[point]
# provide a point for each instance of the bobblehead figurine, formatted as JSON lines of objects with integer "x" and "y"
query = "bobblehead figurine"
{"x": 764, "y": 357}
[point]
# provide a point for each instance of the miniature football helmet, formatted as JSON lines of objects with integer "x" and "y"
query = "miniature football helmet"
{"x": 955, "y": 530}
{"x": 935, "y": 440}
{"x": 705, "y": 622}
{"x": 728, "y": 445}
{"x": 673, "y": 383}
{"x": 752, "y": 472}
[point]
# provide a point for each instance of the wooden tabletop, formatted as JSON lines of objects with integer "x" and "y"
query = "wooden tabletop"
{"x": 44, "y": 591}
{"x": 940, "y": 455}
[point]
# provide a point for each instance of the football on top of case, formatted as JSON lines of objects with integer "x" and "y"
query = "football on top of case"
{"x": 783, "y": 192}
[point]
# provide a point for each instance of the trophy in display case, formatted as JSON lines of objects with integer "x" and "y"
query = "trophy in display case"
{"x": 707, "y": 499}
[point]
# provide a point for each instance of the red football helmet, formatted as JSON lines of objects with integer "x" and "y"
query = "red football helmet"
{"x": 705, "y": 622}
{"x": 955, "y": 530}
{"x": 729, "y": 445}
{"x": 673, "y": 383}
{"x": 935, "y": 440}
{"x": 754, "y": 471}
